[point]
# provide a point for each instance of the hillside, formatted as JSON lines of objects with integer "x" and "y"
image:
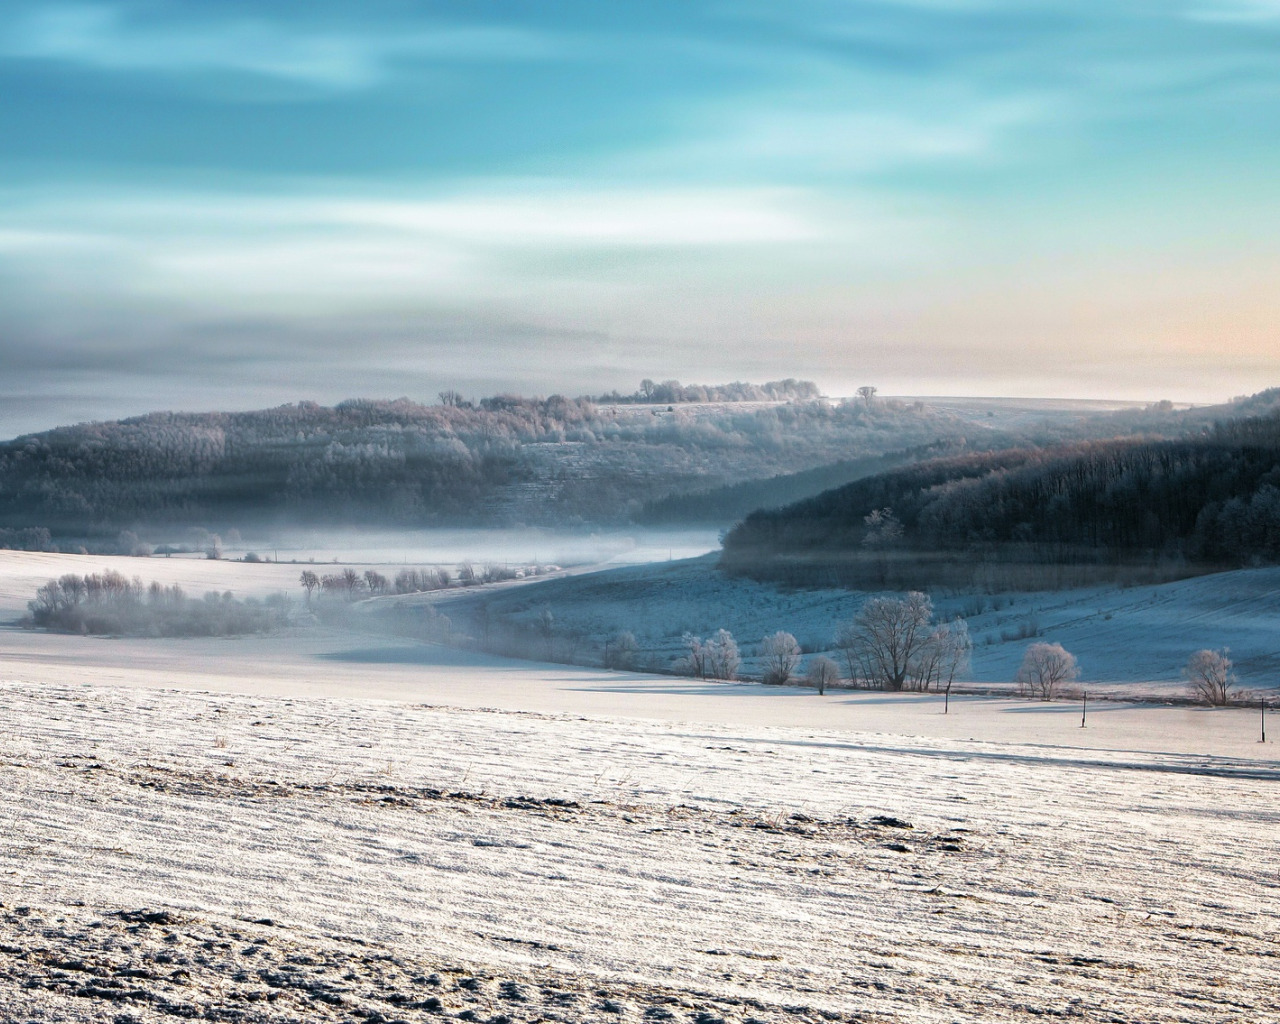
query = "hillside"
{"x": 1131, "y": 642}
{"x": 503, "y": 461}
{"x": 727, "y": 504}
{"x": 1033, "y": 517}
{"x": 992, "y": 424}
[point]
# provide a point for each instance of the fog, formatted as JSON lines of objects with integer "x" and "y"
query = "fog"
{"x": 481, "y": 546}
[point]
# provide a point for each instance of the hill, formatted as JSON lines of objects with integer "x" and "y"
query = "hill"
{"x": 503, "y": 461}
{"x": 989, "y": 424}
{"x": 1032, "y": 517}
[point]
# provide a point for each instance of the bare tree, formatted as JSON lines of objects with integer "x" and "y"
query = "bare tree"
{"x": 849, "y": 642}
{"x": 781, "y": 655}
{"x": 822, "y": 672}
{"x": 886, "y": 638}
{"x": 957, "y": 647}
{"x": 867, "y": 392}
{"x": 1045, "y": 667}
{"x": 944, "y": 654}
{"x": 309, "y": 581}
{"x": 376, "y": 582}
{"x": 1210, "y": 677}
{"x": 351, "y": 582}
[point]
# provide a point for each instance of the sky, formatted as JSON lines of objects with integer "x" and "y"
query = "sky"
{"x": 241, "y": 204}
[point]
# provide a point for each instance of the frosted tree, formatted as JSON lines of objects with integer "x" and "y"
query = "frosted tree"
{"x": 723, "y": 659}
{"x": 714, "y": 658}
{"x": 695, "y": 661}
{"x": 780, "y": 654}
{"x": 882, "y": 532}
{"x": 1045, "y": 667}
{"x": 1210, "y": 677}
{"x": 887, "y": 638}
{"x": 821, "y": 673}
{"x": 944, "y": 654}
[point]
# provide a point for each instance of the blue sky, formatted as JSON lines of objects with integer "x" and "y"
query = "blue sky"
{"x": 235, "y": 204}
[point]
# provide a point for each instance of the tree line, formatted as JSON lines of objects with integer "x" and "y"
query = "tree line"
{"x": 112, "y": 604}
{"x": 503, "y": 460}
{"x": 672, "y": 392}
{"x": 1203, "y": 502}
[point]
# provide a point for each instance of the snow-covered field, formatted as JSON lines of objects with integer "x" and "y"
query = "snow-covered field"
{"x": 321, "y": 825}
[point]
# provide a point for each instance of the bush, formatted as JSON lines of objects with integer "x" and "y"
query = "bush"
{"x": 110, "y": 604}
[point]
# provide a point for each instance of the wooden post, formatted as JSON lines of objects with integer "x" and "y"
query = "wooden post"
{"x": 1262, "y": 706}
{"x": 1084, "y": 706}
{"x": 946, "y": 699}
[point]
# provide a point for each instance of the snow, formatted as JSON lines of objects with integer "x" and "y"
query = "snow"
{"x": 1130, "y": 642}
{"x": 684, "y": 848}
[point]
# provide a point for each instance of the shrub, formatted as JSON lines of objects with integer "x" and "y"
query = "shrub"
{"x": 111, "y": 604}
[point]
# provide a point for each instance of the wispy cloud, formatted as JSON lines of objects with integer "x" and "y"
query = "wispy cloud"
{"x": 274, "y": 253}
{"x": 106, "y": 37}
{"x": 1241, "y": 11}
{"x": 782, "y": 134}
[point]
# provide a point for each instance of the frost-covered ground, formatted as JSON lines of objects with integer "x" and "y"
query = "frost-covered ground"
{"x": 1130, "y": 641}
{"x": 238, "y": 830}
{"x": 407, "y": 860}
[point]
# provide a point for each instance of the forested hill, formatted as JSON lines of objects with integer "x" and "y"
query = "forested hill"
{"x": 502, "y": 461}
{"x": 1205, "y": 501}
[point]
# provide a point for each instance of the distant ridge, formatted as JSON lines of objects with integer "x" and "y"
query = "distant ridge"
{"x": 504, "y": 460}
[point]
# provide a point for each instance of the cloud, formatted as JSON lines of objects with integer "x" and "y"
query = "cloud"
{"x": 775, "y": 138}
{"x": 1236, "y": 11}
{"x": 500, "y": 284}
{"x": 540, "y": 252}
{"x": 102, "y": 37}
